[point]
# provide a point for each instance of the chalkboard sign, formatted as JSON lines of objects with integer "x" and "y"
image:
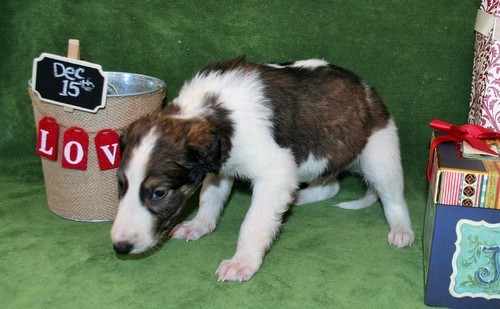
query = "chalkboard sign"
{"x": 68, "y": 82}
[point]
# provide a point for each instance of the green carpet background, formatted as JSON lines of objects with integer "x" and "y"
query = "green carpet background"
{"x": 417, "y": 54}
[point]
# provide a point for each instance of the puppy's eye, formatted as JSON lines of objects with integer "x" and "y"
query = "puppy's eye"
{"x": 158, "y": 193}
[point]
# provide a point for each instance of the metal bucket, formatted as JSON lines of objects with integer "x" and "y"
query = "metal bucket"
{"x": 92, "y": 194}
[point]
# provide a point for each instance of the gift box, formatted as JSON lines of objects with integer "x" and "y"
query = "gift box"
{"x": 464, "y": 182}
{"x": 485, "y": 93}
{"x": 462, "y": 231}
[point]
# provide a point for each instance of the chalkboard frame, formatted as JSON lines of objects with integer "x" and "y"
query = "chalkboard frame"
{"x": 69, "y": 102}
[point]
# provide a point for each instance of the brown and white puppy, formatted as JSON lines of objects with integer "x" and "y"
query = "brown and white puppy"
{"x": 277, "y": 126}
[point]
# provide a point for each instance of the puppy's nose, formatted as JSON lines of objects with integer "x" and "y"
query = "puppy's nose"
{"x": 123, "y": 247}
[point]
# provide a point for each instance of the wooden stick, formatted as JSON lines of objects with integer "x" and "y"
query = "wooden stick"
{"x": 73, "y": 53}
{"x": 74, "y": 49}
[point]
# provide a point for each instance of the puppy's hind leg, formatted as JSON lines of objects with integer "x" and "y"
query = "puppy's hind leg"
{"x": 213, "y": 195}
{"x": 380, "y": 163}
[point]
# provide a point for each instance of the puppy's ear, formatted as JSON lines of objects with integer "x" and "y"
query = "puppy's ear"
{"x": 203, "y": 149}
{"x": 123, "y": 137}
{"x": 198, "y": 134}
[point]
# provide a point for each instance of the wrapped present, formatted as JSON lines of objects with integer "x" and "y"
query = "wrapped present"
{"x": 485, "y": 93}
{"x": 466, "y": 182}
{"x": 462, "y": 220}
{"x": 460, "y": 181}
{"x": 462, "y": 231}
{"x": 461, "y": 256}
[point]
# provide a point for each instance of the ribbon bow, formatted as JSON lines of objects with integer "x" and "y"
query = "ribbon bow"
{"x": 470, "y": 133}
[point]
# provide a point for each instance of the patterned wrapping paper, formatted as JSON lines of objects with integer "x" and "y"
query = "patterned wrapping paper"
{"x": 485, "y": 93}
{"x": 459, "y": 181}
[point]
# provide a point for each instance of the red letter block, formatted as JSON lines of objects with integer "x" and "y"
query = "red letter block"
{"x": 75, "y": 149}
{"x": 47, "y": 138}
{"x": 107, "y": 145}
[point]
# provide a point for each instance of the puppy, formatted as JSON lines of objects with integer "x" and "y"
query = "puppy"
{"x": 280, "y": 126}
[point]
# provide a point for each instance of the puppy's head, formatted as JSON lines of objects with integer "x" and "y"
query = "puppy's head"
{"x": 165, "y": 159}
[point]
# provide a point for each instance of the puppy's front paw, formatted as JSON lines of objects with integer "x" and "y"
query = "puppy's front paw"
{"x": 192, "y": 230}
{"x": 400, "y": 237}
{"x": 237, "y": 269}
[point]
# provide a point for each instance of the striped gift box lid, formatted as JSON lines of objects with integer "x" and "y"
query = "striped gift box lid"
{"x": 462, "y": 181}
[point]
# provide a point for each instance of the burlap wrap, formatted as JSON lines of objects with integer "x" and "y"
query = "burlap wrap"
{"x": 90, "y": 195}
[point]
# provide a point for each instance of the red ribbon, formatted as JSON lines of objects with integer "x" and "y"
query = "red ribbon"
{"x": 470, "y": 133}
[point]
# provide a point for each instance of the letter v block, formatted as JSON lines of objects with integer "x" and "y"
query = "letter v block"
{"x": 107, "y": 145}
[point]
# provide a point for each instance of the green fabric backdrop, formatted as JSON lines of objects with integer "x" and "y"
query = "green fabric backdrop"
{"x": 417, "y": 54}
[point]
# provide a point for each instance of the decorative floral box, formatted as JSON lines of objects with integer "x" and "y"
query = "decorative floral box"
{"x": 462, "y": 232}
{"x": 485, "y": 93}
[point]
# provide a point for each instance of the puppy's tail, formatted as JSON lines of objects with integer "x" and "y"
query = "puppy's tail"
{"x": 370, "y": 198}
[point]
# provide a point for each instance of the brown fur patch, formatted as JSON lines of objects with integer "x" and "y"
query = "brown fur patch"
{"x": 221, "y": 67}
{"x": 199, "y": 133}
{"x": 326, "y": 111}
